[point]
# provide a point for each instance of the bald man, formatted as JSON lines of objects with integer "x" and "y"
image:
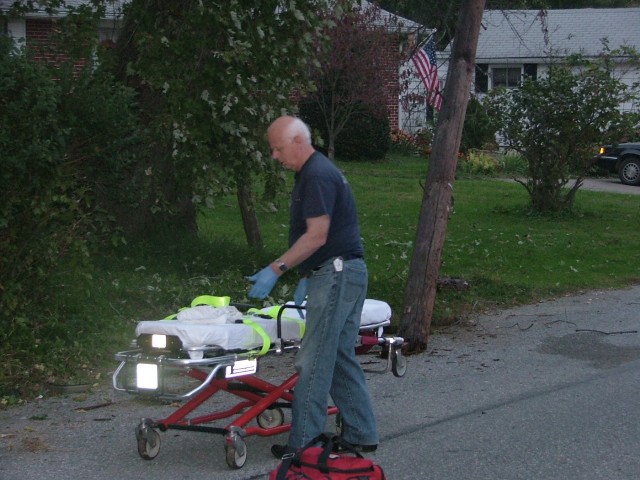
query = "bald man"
{"x": 325, "y": 246}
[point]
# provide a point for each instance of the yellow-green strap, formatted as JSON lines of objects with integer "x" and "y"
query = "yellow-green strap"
{"x": 266, "y": 341}
{"x": 272, "y": 312}
{"x": 211, "y": 300}
{"x": 301, "y": 324}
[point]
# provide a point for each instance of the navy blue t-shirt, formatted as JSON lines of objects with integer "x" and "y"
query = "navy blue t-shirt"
{"x": 321, "y": 189}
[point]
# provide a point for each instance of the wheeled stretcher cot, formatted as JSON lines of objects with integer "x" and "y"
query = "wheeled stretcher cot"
{"x": 218, "y": 346}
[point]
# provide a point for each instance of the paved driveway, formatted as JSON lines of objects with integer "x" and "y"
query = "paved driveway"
{"x": 542, "y": 392}
{"x": 611, "y": 185}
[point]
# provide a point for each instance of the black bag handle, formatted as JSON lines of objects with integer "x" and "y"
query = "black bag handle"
{"x": 290, "y": 458}
{"x": 327, "y": 441}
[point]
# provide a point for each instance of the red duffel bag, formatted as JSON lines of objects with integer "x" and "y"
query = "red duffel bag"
{"x": 318, "y": 461}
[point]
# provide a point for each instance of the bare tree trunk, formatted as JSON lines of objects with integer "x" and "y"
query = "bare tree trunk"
{"x": 420, "y": 291}
{"x": 249, "y": 218}
{"x": 331, "y": 147}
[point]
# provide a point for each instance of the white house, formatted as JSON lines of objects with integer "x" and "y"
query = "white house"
{"x": 518, "y": 43}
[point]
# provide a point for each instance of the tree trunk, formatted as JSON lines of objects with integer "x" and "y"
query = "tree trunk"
{"x": 420, "y": 291}
{"x": 249, "y": 218}
{"x": 331, "y": 147}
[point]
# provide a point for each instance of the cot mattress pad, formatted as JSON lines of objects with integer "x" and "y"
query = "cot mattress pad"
{"x": 228, "y": 328}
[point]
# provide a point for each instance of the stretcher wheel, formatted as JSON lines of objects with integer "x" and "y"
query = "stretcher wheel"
{"x": 148, "y": 441}
{"x": 235, "y": 453}
{"x": 398, "y": 363}
{"x": 271, "y": 417}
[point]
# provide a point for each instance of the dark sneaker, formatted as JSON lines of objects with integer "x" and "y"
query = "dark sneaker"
{"x": 280, "y": 451}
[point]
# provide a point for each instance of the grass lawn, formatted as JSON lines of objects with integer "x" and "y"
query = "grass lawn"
{"x": 507, "y": 255}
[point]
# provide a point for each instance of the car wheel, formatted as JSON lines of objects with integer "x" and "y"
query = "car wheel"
{"x": 630, "y": 171}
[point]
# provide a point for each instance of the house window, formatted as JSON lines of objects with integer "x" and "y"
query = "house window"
{"x": 502, "y": 76}
{"x": 531, "y": 71}
{"x": 509, "y": 77}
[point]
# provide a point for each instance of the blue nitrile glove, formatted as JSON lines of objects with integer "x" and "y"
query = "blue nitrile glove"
{"x": 301, "y": 291}
{"x": 264, "y": 281}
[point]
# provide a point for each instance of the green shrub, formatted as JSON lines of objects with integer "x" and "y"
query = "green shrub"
{"x": 478, "y": 162}
{"x": 364, "y": 137}
{"x": 554, "y": 121}
{"x": 37, "y": 206}
{"x": 513, "y": 164}
{"x": 424, "y": 138}
{"x": 60, "y": 142}
{"x": 479, "y": 131}
{"x": 403, "y": 142}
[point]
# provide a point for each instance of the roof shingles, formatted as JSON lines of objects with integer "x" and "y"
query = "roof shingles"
{"x": 511, "y": 34}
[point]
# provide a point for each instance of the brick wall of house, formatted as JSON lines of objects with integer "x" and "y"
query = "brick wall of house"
{"x": 39, "y": 34}
{"x": 391, "y": 68}
{"x": 38, "y": 39}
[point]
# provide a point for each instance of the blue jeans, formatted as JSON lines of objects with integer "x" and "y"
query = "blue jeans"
{"x": 327, "y": 363}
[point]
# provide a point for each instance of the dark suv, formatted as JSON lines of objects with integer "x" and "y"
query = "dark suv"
{"x": 623, "y": 159}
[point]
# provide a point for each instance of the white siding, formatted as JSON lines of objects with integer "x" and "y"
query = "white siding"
{"x": 17, "y": 29}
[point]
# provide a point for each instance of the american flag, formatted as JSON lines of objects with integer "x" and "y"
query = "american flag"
{"x": 425, "y": 62}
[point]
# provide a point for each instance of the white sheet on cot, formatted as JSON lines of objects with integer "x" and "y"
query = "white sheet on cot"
{"x": 374, "y": 312}
{"x": 237, "y": 336}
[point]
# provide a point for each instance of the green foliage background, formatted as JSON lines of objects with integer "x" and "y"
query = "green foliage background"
{"x": 63, "y": 139}
{"x": 179, "y": 115}
{"x": 173, "y": 118}
{"x": 209, "y": 76}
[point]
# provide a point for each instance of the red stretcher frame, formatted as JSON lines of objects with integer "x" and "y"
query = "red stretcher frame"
{"x": 259, "y": 400}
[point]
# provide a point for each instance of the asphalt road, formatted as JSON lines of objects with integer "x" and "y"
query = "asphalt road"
{"x": 546, "y": 391}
